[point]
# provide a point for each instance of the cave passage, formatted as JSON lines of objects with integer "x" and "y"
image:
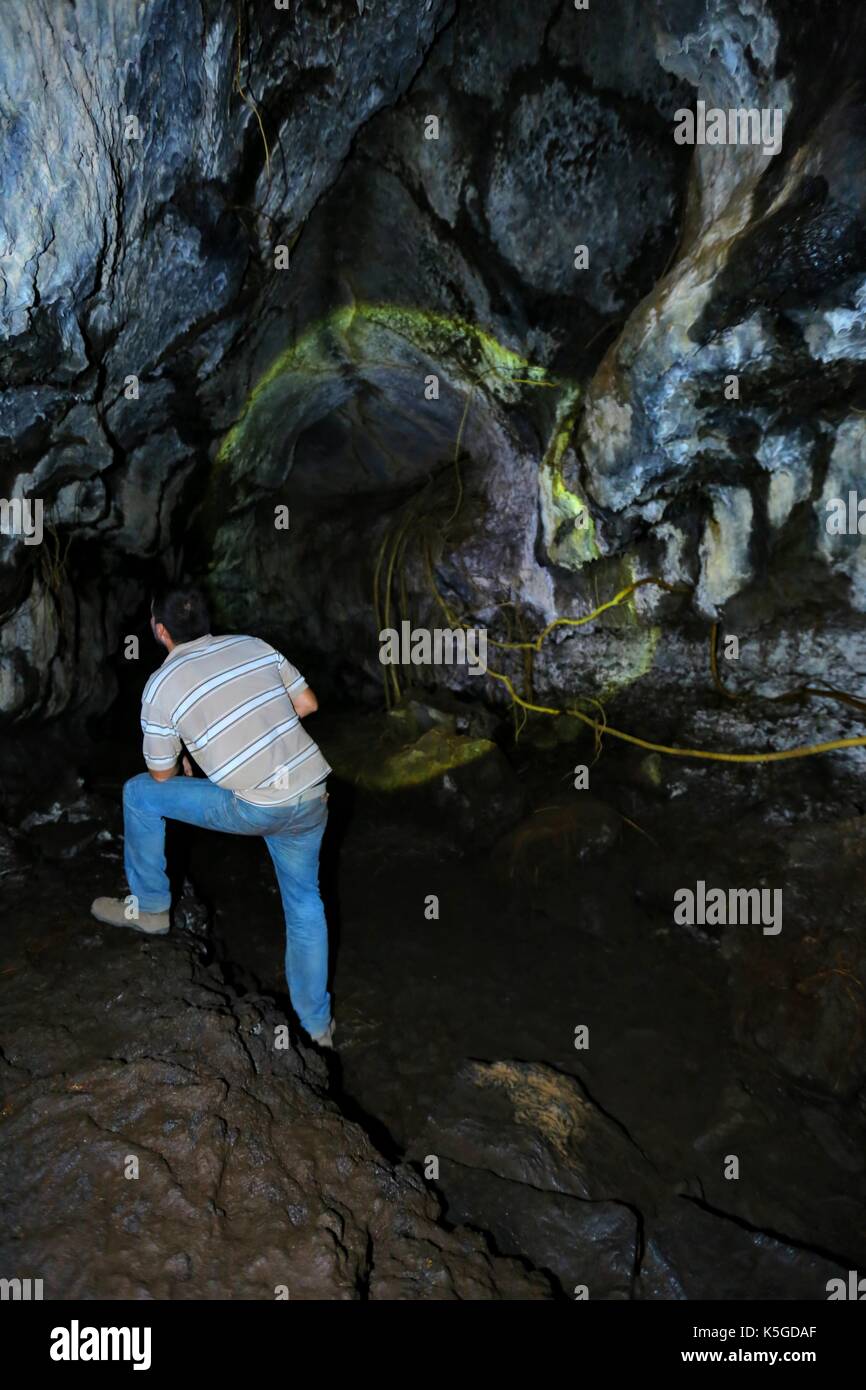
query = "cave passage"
{"x": 493, "y": 364}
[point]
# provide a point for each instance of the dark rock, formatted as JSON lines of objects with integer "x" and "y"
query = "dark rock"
{"x": 190, "y": 914}
{"x": 524, "y": 1152}
{"x": 799, "y": 995}
{"x": 593, "y": 1244}
{"x": 528, "y": 1123}
{"x": 13, "y": 864}
{"x": 554, "y": 839}
{"x": 63, "y": 840}
{"x": 154, "y": 1174}
{"x": 694, "y": 1254}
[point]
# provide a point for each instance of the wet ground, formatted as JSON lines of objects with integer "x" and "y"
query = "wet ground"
{"x": 697, "y": 1045}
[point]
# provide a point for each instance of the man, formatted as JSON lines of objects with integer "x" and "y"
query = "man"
{"x": 237, "y": 705}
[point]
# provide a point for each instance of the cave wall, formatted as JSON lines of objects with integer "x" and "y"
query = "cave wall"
{"x": 596, "y": 443}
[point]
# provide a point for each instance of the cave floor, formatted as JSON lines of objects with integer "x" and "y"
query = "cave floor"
{"x": 515, "y": 965}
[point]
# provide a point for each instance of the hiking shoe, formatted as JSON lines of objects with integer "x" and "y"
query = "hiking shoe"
{"x": 325, "y": 1039}
{"x": 113, "y": 911}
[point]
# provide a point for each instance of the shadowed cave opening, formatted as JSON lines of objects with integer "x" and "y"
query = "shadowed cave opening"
{"x": 349, "y": 376}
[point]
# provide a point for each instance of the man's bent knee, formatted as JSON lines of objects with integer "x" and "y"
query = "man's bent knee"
{"x": 135, "y": 788}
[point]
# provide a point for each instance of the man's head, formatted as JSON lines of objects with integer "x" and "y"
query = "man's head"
{"x": 179, "y": 615}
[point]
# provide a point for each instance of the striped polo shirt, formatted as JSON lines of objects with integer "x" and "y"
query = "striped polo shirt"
{"x": 228, "y": 699}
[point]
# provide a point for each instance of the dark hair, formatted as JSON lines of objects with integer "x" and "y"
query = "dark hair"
{"x": 183, "y": 612}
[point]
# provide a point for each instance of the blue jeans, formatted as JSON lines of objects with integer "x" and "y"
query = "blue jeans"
{"x": 292, "y": 834}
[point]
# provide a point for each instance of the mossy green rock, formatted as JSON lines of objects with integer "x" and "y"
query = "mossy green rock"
{"x": 434, "y": 754}
{"x": 386, "y": 757}
{"x": 464, "y": 787}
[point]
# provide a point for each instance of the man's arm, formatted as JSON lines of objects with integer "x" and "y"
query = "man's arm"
{"x": 300, "y": 694}
{"x": 161, "y": 746}
{"x": 305, "y": 702}
{"x": 163, "y": 776}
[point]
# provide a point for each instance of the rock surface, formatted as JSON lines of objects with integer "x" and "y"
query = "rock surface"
{"x": 605, "y": 1167}
{"x": 525, "y": 1149}
{"x": 166, "y": 386}
{"x": 159, "y": 1142}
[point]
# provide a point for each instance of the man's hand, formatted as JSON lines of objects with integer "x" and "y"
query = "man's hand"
{"x": 163, "y": 776}
{"x": 173, "y": 771}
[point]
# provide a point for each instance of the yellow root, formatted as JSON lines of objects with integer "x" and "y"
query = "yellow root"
{"x": 248, "y": 101}
{"x": 398, "y": 541}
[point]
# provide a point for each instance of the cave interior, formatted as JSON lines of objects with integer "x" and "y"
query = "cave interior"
{"x": 374, "y": 316}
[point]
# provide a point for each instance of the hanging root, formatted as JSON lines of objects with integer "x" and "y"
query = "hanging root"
{"x": 390, "y": 560}
{"x": 248, "y": 100}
